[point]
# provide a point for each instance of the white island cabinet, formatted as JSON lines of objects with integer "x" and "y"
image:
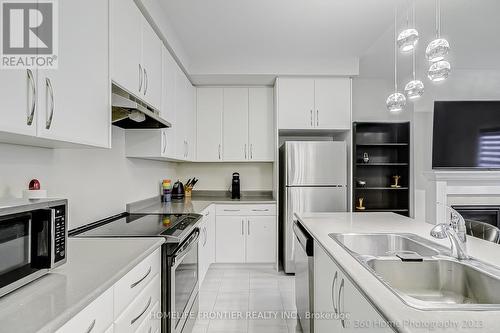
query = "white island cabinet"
{"x": 339, "y": 304}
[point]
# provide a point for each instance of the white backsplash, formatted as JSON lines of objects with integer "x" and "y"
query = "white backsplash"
{"x": 97, "y": 182}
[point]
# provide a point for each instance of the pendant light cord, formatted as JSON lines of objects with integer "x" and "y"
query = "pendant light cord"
{"x": 395, "y": 48}
{"x": 413, "y": 14}
{"x": 438, "y": 18}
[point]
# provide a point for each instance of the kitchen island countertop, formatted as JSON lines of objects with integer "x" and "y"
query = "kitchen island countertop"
{"x": 407, "y": 319}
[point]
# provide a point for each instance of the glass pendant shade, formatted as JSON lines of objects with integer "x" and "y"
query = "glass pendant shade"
{"x": 437, "y": 50}
{"x": 439, "y": 71}
{"x": 407, "y": 40}
{"x": 414, "y": 89}
{"x": 396, "y": 102}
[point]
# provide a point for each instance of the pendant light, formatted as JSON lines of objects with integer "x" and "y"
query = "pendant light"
{"x": 415, "y": 88}
{"x": 439, "y": 71}
{"x": 408, "y": 38}
{"x": 396, "y": 102}
{"x": 439, "y": 47}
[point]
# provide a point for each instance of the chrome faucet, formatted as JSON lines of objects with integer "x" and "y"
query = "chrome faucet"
{"x": 456, "y": 231}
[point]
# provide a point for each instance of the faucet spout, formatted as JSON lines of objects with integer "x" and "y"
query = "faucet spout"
{"x": 456, "y": 232}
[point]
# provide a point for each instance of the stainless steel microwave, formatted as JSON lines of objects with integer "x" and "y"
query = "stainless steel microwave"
{"x": 33, "y": 240}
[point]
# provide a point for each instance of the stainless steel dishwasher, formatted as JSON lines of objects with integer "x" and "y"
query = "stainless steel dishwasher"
{"x": 304, "y": 277}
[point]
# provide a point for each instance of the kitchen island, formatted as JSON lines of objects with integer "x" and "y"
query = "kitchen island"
{"x": 391, "y": 309}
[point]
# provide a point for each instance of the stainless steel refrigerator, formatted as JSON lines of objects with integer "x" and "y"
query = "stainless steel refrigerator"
{"x": 313, "y": 178}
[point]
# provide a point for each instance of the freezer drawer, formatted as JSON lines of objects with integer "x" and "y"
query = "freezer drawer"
{"x": 307, "y": 199}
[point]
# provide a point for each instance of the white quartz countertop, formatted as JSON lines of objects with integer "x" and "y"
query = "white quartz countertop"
{"x": 198, "y": 204}
{"x": 407, "y": 319}
{"x": 93, "y": 266}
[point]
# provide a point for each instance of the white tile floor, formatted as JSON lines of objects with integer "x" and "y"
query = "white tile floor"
{"x": 247, "y": 299}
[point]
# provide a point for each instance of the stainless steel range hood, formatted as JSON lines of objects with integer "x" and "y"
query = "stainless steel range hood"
{"x": 130, "y": 113}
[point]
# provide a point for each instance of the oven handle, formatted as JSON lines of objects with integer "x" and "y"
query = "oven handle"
{"x": 193, "y": 239}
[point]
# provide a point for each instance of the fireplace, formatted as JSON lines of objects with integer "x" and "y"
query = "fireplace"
{"x": 487, "y": 214}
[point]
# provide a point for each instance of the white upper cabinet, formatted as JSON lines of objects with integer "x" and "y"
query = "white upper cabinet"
{"x": 151, "y": 59}
{"x": 260, "y": 124}
{"x": 332, "y": 100}
{"x": 235, "y": 124}
{"x": 73, "y": 100}
{"x": 126, "y": 46}
{"x": 18, "y": 102}
{"x": 136, "y": 55}
{"x": 168, "y": 86}
{"x": 190, "y": 124}
{"x": 295, "y": 103}
{"x": 314, "y": 103}
{"x": 210, "y": 103}
{"x": 235, "y": 120}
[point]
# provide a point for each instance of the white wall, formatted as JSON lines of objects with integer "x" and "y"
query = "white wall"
{"x": 97, "y": 182}
{"x": 461, "y": 85}
{"x": 217, "y": 176}
{"x": 368, "y": 101}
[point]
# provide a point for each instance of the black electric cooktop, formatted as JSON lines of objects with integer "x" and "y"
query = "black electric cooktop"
{"x": 174, "y": 227}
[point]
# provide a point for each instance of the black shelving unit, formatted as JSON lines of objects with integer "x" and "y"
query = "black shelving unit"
{"x": 388, "y": 148}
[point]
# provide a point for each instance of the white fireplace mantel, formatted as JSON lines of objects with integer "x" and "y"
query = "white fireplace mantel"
{"x": 458, "y": 183}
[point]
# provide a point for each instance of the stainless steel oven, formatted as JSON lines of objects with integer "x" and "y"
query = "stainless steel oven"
{"x": 182, "y": 285}
{"x": 33, "y": 238}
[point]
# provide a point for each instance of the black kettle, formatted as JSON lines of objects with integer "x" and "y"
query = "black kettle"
{"x": 178, "y": 191}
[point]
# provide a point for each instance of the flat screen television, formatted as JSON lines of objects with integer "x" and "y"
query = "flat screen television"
{"x": 466, "y": 135}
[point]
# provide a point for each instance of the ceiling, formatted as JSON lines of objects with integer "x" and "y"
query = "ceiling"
{"x": 231, "y": 41}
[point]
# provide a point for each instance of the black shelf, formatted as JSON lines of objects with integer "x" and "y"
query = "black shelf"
{"x": 388, "y": 149}
{"x": 381, "y": 188}
{"x": 381, "y": 164}
{"x": 388, "y": 144}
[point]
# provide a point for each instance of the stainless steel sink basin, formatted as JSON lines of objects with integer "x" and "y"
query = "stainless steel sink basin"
{"x": 384, "y": 244}
{"x": 439, "y": 283}
{"x": 435, "y": 281}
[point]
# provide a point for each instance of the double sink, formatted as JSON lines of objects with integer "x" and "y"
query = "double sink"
{"x": 423, "y": 274}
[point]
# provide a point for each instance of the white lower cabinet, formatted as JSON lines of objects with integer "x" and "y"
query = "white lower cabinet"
{"x": 128, "y": 306}
{"x": 230, "y": 235}
{"x": 338, "y": 304}
{"x": 96, "y": 317}
{"x": 206, "y": 245}
{"x": 246, "y": 234}
{"x": 261, "y": 239}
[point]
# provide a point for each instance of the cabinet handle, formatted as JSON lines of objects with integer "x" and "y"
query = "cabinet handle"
{"x": 164, "y": 142}
{"x": 140, "y": 77}
{"x": 219, "y": 151}
{"x": 133, "y": 285}
{"x": 260, "y": 210}
{"x": 143, "y": 311}
{"x": 312, "y": 123}
{"x": 146, "y": 81}
{"x": 91, "y": 327}
{"x": 248, "y": 227}
{"x": 334, "y": 282}
{"x": 242, "y": 227}
{"x": 245, "y": 151}
{"x": 340, "y": 311}
{"x": 231, "y": 210}
{"x": 31, "y": 115}
{"x": 317, "y": 117}
{"x": 206, "y": 237}
{"x": 251, "y": 151}
{"x": 48, "y": 122}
